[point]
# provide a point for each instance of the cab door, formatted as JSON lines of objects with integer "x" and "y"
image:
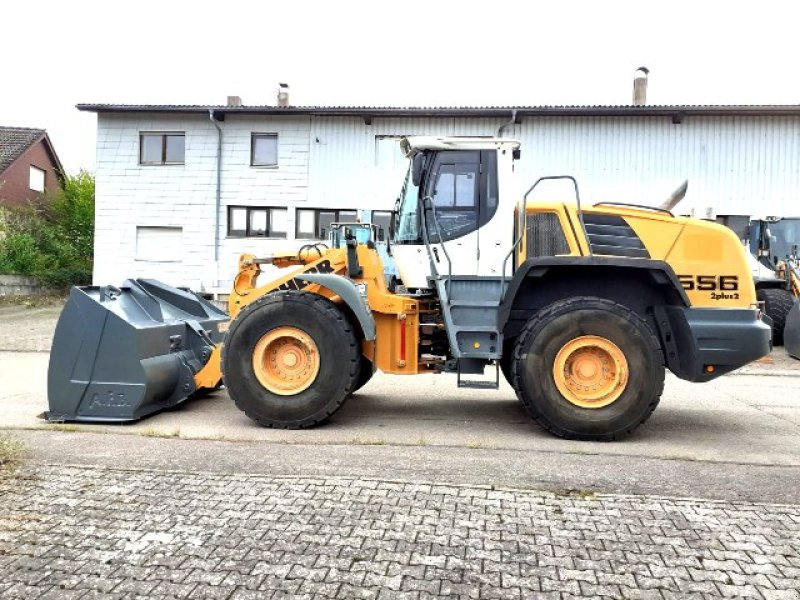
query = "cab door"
{"x": 452, "y": 215}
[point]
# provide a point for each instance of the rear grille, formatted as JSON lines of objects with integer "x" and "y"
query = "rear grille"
{"x": 545, "y": 235}
{"x": 610, "y": 235}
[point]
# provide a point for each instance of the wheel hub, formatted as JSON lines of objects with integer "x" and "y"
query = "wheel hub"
{"x": 590, "y": 371}
{"x": 286, "y": 361}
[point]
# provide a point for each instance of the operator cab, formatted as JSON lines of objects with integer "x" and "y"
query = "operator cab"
{"x": 451, "y": 198}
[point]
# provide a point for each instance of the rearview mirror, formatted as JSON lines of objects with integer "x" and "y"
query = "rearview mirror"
{"x": 417, "y": 169}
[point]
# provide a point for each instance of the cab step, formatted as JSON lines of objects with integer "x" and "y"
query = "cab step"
{"x": 468, "y": 367}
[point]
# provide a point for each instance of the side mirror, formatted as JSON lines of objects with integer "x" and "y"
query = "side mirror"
{"x": 418, "y": 169}
{"x": 381, "y": 235}
{"x": 322, "y": 233}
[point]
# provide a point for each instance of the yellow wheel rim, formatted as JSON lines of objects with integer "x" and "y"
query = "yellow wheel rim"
{"x": 286, "y": 361}
{"x": 590, "y": 371}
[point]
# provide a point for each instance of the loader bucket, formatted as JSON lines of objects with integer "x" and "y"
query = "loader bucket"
{"x": 120, "y": 354}
{"x": 791, "y": 332}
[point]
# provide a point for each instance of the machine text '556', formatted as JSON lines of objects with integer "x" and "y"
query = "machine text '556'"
{"x": 710, "y": 283}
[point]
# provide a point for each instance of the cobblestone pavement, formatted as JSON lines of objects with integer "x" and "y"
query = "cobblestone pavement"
{"x": 69, "y": 532}
{"x": 28, "y": 329}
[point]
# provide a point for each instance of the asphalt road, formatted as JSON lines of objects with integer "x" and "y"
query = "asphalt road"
{"x": 736, "y": 437}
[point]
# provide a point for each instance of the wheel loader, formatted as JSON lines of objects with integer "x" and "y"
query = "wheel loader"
{"x": 582, "y": 309}
{"x": 773, "y": 246}
{"x": 791, "y": 329}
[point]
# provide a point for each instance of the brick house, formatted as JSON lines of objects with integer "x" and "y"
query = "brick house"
{"x": 29, "y": 165}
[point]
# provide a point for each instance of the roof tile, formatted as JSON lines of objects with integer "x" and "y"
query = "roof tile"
{"x": 14, "y": 141}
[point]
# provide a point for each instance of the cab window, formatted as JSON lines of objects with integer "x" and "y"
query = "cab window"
{"x": 453, "y": 186}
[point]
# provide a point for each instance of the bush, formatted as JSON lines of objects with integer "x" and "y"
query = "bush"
{"x": 52, "y": 238}
{"x": 66, "y": 277}
{"x": 19, "y": 254}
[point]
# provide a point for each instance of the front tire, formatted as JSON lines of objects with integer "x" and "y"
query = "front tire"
{"x": 290, "y": 359}
{"x": 587, "y": 368}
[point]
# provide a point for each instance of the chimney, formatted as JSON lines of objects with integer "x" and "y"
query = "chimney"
{"x": 234, "y": 101}
{"x": 283, "y": 94}
{"x": 640, "y": 86}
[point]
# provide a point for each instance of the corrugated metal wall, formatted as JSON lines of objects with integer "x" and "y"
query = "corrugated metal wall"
{"x": 735, "y": 165}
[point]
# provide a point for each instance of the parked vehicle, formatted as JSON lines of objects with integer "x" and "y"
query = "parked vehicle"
{"x": 773, "y": 244}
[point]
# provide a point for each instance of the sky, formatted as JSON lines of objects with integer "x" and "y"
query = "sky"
{"x": 412, "y": 53}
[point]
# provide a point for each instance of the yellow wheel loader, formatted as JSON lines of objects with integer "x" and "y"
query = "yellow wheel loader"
{"x": 773, "y": 245}
{"x": 581, "y": 308}
{"x": 789, "y": 269}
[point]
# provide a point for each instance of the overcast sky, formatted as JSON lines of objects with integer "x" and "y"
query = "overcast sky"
{"x": 339, "y": 52}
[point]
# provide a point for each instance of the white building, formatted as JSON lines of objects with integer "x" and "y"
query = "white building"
{"x": 183, "y": 190}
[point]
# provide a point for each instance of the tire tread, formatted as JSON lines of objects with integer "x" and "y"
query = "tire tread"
{"x": 546, "y": 314}
{"x": 777, "y": 304}
{"x": 332, "y": 315}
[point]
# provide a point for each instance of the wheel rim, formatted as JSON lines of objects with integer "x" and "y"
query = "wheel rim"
{"x": 286, "y": 361}
{"x": 590, "y": 371}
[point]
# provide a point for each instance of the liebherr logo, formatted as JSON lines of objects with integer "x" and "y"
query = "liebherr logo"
{"x": 294, "y": 284}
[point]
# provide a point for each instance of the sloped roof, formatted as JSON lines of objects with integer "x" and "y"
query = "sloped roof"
{"x": 671, "y": 110}
{"x": 14, "y": 141}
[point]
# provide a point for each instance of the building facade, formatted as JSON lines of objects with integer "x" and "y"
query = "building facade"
{"x": 29, "y": 165}
{"x": 182, "y": 191}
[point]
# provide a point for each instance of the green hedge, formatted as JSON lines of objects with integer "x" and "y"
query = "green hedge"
{"x": 53, "y": 237}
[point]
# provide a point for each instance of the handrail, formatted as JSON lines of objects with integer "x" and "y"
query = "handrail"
{"x": 424, "y": 223}
{"x": 441, "y": 243}
{"x": 577, "y": 200}
{"x": 640, "y": 206}
{"x": 503, "y": 271}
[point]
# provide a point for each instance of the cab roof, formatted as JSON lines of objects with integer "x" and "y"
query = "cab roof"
{"x": 412, "y": 145}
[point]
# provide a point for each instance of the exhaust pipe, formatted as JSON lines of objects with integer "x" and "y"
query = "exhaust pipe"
{"x": 120, "y": 354}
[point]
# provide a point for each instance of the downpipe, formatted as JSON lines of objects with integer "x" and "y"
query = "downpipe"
{"x": 503, "y": 127}
{"x": 218, "y": 201}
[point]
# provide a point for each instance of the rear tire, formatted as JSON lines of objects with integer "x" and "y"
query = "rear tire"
{"x": 326, "y": 332}
{"x": 633, "y": 395}
{"x": 777, "y": 304}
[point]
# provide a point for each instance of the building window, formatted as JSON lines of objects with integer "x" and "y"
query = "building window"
{"x": 36, "y": 179}
{"x": 162, "y": 148}
{"x": 264, "y": 150}
{"x": 315, "y": 223}
{"x": 382, "y": 218}
{"x": 159, "y": 244}
{"x": 257, "y": 221}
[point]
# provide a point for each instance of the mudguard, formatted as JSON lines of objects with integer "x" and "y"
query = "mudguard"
{"x": 791, "y": 332}
{"x": 349, "y": 293}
